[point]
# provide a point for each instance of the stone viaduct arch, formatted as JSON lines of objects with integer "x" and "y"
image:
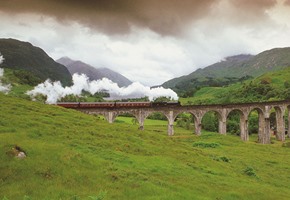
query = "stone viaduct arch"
{"x": 198, "y": 111}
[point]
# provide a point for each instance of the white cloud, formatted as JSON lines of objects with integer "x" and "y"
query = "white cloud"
{"x": 3, "y": 88}
{"x": 1, "y": 59}
{"x": 148, "y": 57}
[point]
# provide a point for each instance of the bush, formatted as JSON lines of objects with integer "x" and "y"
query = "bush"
{"x": 157, "y": 116}
{"x": 233, "y": 127}
{"x": 233, "y": 123}
{"x": 205, "y": 145}
{"x": 184, "y": 121}
{"x": 253, "y": 123}
{"x": 26, "y": 77}
{"x": 222, "y": 158}
{"x": 286, "y": 144}
{"x": 72, "y": 98}
{"x": 210, "y": 122}
{"x": 250, "y": 172}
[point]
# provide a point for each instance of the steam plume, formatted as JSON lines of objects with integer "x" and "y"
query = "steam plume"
{"x": 55, "y": 91}
{"x": 3, "y": 88}
{"x": 1, "y": 59}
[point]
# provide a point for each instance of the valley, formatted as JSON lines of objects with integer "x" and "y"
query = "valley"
{"x": 72, "y": 155}
{"x": 144, "y": 100}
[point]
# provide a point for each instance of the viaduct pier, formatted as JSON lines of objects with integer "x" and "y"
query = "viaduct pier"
{"x": 198, "y": 111}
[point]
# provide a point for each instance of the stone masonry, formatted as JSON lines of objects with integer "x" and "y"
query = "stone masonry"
{"x": 198, "y": 111}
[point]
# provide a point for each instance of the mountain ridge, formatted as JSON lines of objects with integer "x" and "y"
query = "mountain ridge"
{"x": 235, "y": 67}
{"x": 77, "y": 66}
{"x": 19, "y": 55}
{"x": 271, "y": 86}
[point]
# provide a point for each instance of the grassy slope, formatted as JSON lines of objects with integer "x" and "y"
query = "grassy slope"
{"x": 209, "y": 95}
{"x": 73, "y": 156}
{"x": 213, "y": 94}
{"x": 236, "y": 66}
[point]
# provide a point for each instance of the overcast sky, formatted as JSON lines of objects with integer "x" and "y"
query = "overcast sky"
{"x": 150, "y": 41}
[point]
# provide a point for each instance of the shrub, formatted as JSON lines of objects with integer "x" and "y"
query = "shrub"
{"x": 184, "y": 121}
{"x": 253, "y": 123}
{"x": 205, "y": 145}
{"x": 26, "y": 77}
{"x": 222, "y": 158}
{"x": 210, "y": 122}
{"x": 286, "y": 144}
{"x": 157, "y": 116}
{"x": 100, "y": 196}
{"x": 250, "y": 172}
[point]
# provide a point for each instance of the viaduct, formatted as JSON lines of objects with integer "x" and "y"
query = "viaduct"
{"x": 198, "y": 111}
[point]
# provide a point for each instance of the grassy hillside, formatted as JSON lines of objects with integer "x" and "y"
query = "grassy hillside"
{"x": 222, "y": 69}
{"x": 71, "y": 155}
{"x": 232, "y": 69}
{"x": 270, "y": 86}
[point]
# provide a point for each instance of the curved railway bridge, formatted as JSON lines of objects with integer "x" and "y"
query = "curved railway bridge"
{"x": 141, "y": 112}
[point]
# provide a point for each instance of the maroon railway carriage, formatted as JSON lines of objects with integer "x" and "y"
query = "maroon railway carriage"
{"x": 87, "y": 104}
{"x": 116, "y": 104}
{"x": 96, "y": 104}
{"x": 104, "y": 104}
{"x": 132, "y": 104}
{"x": 69, "y": 104}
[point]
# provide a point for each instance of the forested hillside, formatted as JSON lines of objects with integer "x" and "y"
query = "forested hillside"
{"x": 270, "y": 86}
{"x": 32, "y": 60}
{"x": 231, "y": 70}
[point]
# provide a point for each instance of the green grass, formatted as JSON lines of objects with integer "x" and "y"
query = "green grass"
{"x": 71, "y": 155}
{"x": 278, "y": 80}
{"x": 18, "y": 89}
{"x": 147, "y": 122}
{"x": 210, "y": 95}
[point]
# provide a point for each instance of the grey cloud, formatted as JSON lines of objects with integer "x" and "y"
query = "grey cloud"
{"x": 166, "y": 17}
{"x": 253, "y": 10}
{"x": 287, "y": 2}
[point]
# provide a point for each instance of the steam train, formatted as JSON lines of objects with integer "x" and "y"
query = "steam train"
{"x": 117, "y": 104}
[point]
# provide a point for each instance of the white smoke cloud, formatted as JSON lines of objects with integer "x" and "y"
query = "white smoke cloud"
{"x": 55, "y": 91}
{"x": 1, "y": 59}
{"x": 3, "y": 88}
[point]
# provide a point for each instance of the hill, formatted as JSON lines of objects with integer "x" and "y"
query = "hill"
{"x": 232, "y": 69}
{"x": 71, "y": 155}
{"x": 270, "y": 86}
{"x": 20, "y": 55}
{"x": 92, "y": 72}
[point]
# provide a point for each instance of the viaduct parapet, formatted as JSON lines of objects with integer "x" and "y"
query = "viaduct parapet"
{"x": 198, "y": 111}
